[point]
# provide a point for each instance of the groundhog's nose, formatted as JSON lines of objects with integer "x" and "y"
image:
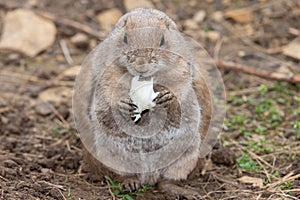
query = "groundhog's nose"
{"x": 140, "y": 61}
{"x": 142, "y": 68}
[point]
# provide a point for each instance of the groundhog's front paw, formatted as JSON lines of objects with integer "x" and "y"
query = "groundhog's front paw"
{"x": 126, "y": 108}
{"x": 131, "y": 184}
{"x": 164, "y": 99}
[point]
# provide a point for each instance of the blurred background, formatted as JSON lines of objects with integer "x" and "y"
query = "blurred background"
{"x": 255, "y": 43}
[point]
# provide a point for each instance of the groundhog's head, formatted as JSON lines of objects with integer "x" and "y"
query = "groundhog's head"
{"x": 149, "y": 42}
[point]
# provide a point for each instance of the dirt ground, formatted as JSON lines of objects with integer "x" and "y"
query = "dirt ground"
{"x": 40, "y": 151}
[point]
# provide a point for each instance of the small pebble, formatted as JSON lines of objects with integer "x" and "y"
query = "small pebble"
{"x": 9, "y": 163}
{"x": 80, "y": 40}
{"x": 55, "y": 193}
{"x": 217, "y": 16}
{"x": 191, "y": 24}
{"x": 199, "y": 16}
{"x": 4, "y": 120}
{"x": 45, "y": 170}
{"x": 213, "y": 36}
{"x": 42, "y": 108}
{"x": 288, "y": 133}
{"x": 13, "y": 57}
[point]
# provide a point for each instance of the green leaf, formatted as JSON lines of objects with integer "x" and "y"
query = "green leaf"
{"x": 127, "y": 197}
{"x": 113, "y": 184}
{"x": 263, "y": 89}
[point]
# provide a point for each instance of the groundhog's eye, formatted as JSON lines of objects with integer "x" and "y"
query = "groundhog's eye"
{"x": 125, "y": 39}
{"x": 162, "y": 41}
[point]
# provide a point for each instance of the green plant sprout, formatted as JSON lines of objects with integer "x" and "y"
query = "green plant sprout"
{"x": 125, "y": 194}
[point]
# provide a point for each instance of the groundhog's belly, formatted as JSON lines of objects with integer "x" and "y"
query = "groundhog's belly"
{"x": 160, "y": 138}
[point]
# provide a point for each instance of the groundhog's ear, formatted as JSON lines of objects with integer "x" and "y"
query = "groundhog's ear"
{"x": 124, "y": 22}
{"x": 121, "y": 23}
{"x": 169, "y": 23}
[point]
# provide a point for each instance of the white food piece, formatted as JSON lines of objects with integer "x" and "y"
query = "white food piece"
{"x": 142, "y": 95}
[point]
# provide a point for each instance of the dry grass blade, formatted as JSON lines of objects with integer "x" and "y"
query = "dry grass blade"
{"x": 110, "y": 192}
{"x": 66, "y": 52}
{"x": 53, "y": 185}
{"x": 288, "y": 177}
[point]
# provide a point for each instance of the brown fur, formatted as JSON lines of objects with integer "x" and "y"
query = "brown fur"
{"x": 178, "y": 80}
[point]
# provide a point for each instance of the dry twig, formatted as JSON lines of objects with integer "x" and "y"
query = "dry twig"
{"x": 71, "y": 23}
{"x": 110, "y": 192}
{"x": 66, "y": 52}
{"x": 294, "y": 31}
{"x": 222, "y": 64}
{"x": 53, "y": 185}
{"x": 288, "y": 177}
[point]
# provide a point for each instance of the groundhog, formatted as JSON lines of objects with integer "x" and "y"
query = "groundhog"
{"x": 144, "y": 43}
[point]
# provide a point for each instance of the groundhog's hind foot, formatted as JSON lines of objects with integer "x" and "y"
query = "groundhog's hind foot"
{"x": 131, "y": 184}
{"x": 172, "y": 188}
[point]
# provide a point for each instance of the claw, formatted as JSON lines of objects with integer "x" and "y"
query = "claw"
{"x": 164, "y": 98}
{"x": 126, "y": 108}
{"x": 131, "y": 185}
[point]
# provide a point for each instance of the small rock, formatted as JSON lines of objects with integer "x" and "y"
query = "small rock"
{"x": 70, "y": 73}
{"x": 213, "y": 36}
{"x": 256, "y": 182}
{"x": 267, "y": 11}
{"x": 244, "y": 55}
{"x": 109, "y": 18}
{"x": 37, "y": 187}
{"x": 9, "y": 163}
{"x": 56, "y": 95}
{"x": 54, "y": 192}
{"x": 292, "y": 50}
{"x": 63, "y": 110}
{"x": 38, "y": 145}
{"x": 243, "y": 15}
{"x": 93, "y": 43}
{"x": 288, "y": 133}
{"x": 32, "y": 3}
{"x": 223, "y": 155}
{"x": 199, "y": 16}
{"x": 133, "y": 4}
{"x": 13, "y": 57}
{"x": 4, "y": 120}
{"x": 33, "y": 90}
{"x": 283, "y": 69}
{"x": 26, "y": 32}
{"x": 42, "y": 108}
{"x": 190, "y": 24}
{"x": 80, "y": 40}
{"x": 45, "y": 170}
{"x": 241, "y": 53}
{"x": 217, "y": 16}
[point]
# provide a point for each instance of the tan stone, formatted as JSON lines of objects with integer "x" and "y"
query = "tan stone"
{"x": 133, "y": 4}
{"x": 26, "y": 32}
{"x": 256, "y": 182}
{"x": 292, "y": 50}
{"x": 109, "y": 18}
{"x": 190, "y": 24}
{"x": 199, "y": 16}
{"x": 70, "y": 73}
{"x": 56, "y": 95}
{"x": 80, "y": 40}
{"x": 243, "y": 15}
